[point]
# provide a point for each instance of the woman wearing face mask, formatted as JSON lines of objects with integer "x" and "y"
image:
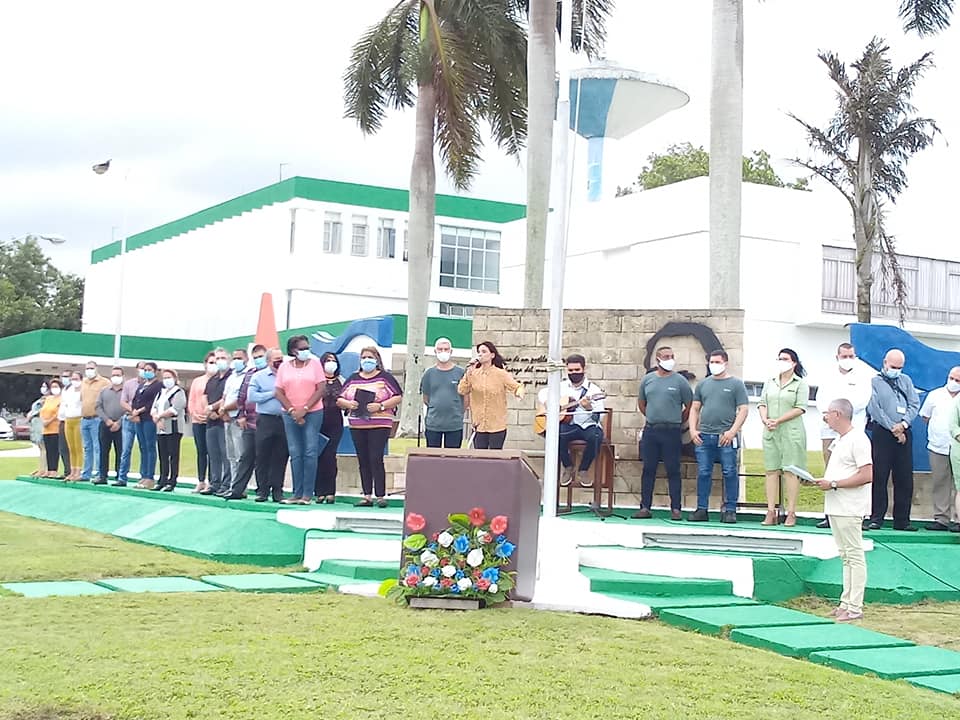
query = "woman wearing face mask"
{"x": 71, "y": 410}
{"x": 197, "y": 407}
{"x": 371, "y": 395}
{"x": 325, "y": 490}
{"x": 36, "y": 430}
{"x": 299, "y": 389}
{"x": 487, "y": 384}
{"x": 146, "y": 428}
{"x": 50, "y": 417}
{"x": 782, "y": 404}
{"x": 168, "y": 416}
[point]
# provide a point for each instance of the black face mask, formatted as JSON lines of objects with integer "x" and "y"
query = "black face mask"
{"x": 575, "y": 378}
{"x": 277, "y": 363}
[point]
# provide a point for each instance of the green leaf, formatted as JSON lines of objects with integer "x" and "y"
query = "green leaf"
{"x": 459, "y": 519}
{"x": 386, "y": 586}
{"x": 415, "y": 542}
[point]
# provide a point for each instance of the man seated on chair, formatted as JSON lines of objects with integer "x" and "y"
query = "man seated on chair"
{"x": 581, "y": 407}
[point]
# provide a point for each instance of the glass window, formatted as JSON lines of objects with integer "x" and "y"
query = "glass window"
{"x": 358, "y": 240}
{"x": 470, "y": 259}
{"x": 456, "y": 310}
{"x": 332, "y": 232}
{"x": 386, "y": 239}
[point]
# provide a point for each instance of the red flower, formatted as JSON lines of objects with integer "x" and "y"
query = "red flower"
{"x": 485, "y": 538}
{"x": 424, "y": 571}
{"x": 498, "y": 526}
{"x": 416, "y": 522}
{"x": 446, "y": 582}
{"x": 444, "y": 561}
{"x": 477, "y": 517}
{"x": 483, "y": 584}
{"x": 476, "y": 573}
{"x": 412, "y": 580}
{"x": 435, "y": 537}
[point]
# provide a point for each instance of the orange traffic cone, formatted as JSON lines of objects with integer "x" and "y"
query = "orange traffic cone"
{"x": 267, "y": 324}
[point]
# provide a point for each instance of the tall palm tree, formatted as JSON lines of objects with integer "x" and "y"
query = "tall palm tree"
{"x": 926, "y": 17}
{"x": 866, "y": 144}
{"x": 461, "y": 63}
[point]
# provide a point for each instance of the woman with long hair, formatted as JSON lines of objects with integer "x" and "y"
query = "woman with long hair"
{"x": 144, "y": 426}
{"x": 71, "y": 412}
{"x": 50, "y": 417}
{"x": 198, "y": 418}
{"x": 36, "y": 429}
{"x": 168, "y": 415}
{"x": 325, "y": 490}
{"x": 487, "y": 383}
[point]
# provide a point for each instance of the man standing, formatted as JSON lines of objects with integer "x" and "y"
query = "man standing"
{"x": 936, "y": 412}
{"x": 64, "y": 448}
{"x": 846, "y": 484}
{"x": 444, "y": 421}
{"x": 110, "y": 412}
{"x": 270, "y": 438}
{"x": 848, "y": 382}
{"x": 718, "y": 412}
{"x": 232, "y": 431}
{"x": 127, "y": 427}
{"x": 664, "y": 400}
{"x": 219, "y": 474}
{"x": 582, "y": 405}
{"x": 246, "y": 420}
{"x": 894, "y": 404}
{"x": 90, "y": 389}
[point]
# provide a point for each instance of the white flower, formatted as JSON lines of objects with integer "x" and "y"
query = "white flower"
{"x": 445, "y": 539}
{"x": 449, "y": 570}
{"x": 429, "y": 581}
{"x": 465, "y": 583}
{"x": 475, "y": 557}
{"x": 429, "y": 559}
{"x": 493, "y": 588}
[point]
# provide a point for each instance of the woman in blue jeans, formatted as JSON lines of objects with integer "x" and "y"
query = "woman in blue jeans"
{"x": 144, "y": 427}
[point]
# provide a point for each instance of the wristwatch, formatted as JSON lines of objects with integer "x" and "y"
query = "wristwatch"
{"x": 833, "y": 484}
{"x": 382, "y": 408}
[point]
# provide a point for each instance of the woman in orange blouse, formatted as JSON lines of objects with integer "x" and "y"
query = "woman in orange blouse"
{"x": 487, "y": 384}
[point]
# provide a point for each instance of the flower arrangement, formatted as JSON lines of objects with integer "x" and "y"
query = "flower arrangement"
{"x": 465, "y": 560}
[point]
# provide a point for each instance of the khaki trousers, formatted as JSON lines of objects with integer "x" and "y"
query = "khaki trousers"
{"x": 942, "y": 490}
{"x": 848, "y": 534}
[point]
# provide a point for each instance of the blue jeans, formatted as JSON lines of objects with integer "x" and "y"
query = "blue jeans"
{"x": 707, "y": 454}
{"x": 444, "y": 438}
{"x": 128, "y": 432}
{"x": 218, "y": 477}
{"x": 592, "y": 435}
{"x": 147, "y": 440}
{"x": 303, "y": 442}
{"x": 90, "y": 435}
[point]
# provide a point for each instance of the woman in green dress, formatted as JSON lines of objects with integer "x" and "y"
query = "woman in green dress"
{"x": 782, "y": 404}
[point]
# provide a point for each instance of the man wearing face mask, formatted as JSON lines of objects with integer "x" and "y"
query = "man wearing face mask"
{"x": 894, "y": 405}
{"x": 246, "y": 420}
{"x": 233, "y": 431}
{"x": 937, "y": 411}
{"x": 270, "y": 437}
{"x": 111, "y": 413}
{"x": 219, "y": 475}
{"x": 664, "y": 400}
{"x": 717, "y": 413}
{"x": 582, "y": 404}
{"x": 63, "y": 448}
{"x": 196, "y": 406}
{"x": 91, "y": 387}
{"x": 445, "y": 406}
{"x": 128, "y": 426}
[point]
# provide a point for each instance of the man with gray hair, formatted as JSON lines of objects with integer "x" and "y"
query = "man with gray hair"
{"x": 445, "y": 406}
{"x": 936, "y": 412}
{"x": 846, "y": 485}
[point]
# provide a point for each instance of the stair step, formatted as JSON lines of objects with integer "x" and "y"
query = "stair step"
{"x": 658, "y": 603}
{"x": 613, "y": 581}
{"x": 371, "y": 570}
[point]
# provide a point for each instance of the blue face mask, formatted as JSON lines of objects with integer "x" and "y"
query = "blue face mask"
{"x": 892, "y": 373}
{"x": 238, "y": 365}
{"x": 368, "y": 364}
{"x": 149, "y": 374}
{"x": 260, "y": 362}
{"x": 222, "y": 365}
{"x": 303, "y": 355}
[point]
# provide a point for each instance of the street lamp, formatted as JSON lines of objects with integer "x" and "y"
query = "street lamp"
{"x": 100, "y": 169}
{"x": 50, "y": 238}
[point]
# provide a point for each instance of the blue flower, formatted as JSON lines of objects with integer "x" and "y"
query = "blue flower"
{"x": 491, "y": 575}
{"x": 455, "y": 588}
{"x": 433, "y": 546}
{"x": 501, "y": 539}
{"x": 459, "y": 575}
{"x": 461, "y": 543}
{"x": 435, "y": 572}
{"x": 504, "y": 550}
{"x": 412, "y": 570}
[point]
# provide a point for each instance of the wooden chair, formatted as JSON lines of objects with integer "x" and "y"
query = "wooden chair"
{"x": 600, "y": 473}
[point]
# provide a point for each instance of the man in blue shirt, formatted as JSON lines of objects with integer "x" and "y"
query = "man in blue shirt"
{"x": 270, "y": 439}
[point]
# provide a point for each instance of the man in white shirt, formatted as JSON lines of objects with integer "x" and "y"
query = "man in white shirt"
{"x": 232, "y": 430}
{"x": 936, "y": 412}
{"x": 847, "y": 498}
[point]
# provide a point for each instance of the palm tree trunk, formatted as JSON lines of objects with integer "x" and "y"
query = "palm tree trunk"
{"x": 422, "y": 226}
{"x": 726, "y": 153}
{"x": 541, "y": 110}
{"x": 863, "y": 266}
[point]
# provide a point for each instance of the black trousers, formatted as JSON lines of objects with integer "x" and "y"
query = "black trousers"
{"x": 51, "y": 444}
{"x": 200, "y": 440}
{"x": 889, "y": 456}
{"x": 660, "y": 443}
{"x": 64, "y": 449}
{"x": 489, "y": 440}
{"x": 247, "y": 462}
{"x": 168, "y": 449}
{"x": 370, "y": 444}
{"x": 444, "y": 438}
{"x": 270, "y": 443}
{"x": 110, "y": 438}
{"x": 332, "y": 427}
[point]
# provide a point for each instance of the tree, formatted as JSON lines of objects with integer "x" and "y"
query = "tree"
{"x": 865, "y": 147}
{"x": 588, "y": 33}
{"x": 684, "y": 161}
{"x": 926, "y": 17}
{"x": 460, "y": 63}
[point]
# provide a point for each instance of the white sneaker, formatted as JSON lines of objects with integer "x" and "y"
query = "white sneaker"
{"x": 567, "y": 476}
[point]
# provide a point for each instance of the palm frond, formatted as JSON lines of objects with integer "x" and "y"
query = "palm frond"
{"x": 589, "y": 31}
{"x": 926, "y": 17}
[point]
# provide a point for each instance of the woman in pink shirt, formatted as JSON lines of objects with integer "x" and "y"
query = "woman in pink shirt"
{"x": 300, "y": 383}
{"x": 197, "y": 407}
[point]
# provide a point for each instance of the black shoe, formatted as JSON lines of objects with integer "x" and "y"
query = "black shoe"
{"x": 699, "y": 515}
{"x": 157, "y": 488}
{"x": 82, "y": 479}
{"x": 207, "y": 492}
{"x": 381, "y": 502}
{"x": 278, "y": 499}
{"x": 938, "y": 527}
{"x": 119, "y": 483}
{"x": 906, "y": 528}
{"x": 99, "y": 482}
{"x": 168, "y": 488}
{"x": 872, "y": 525}
{"x": 642, "y": 514}
{"x": 955, "y": 527}
{"x": 675, "y": 515}
{"x": 235, "y": 497}
{"x": 729, "y": 517}
{"x": 825, "y": 523}
{"x": 260, "y": 498}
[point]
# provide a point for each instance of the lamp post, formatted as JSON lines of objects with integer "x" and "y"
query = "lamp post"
{"x": 37, "y": 237}
{"x": 101, "y": 169}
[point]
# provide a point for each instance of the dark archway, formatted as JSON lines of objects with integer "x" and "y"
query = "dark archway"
{"x": 704, "y": 335}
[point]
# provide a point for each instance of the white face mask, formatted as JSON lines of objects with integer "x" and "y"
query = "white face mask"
{"x": 668, "y": 364}
{"x": 211, "y": 368}
{"x": 443, "y": 356}
{"x": 55, "y": 391}
{"x": 847, "y": 364}
{"x": 329, "y": 367}
{"x": 784, "y": 366}
{"x": 116, "y": 379}
{"x": 90, "y": 373}
{"x": 717, "y": 368}
{"x": 953, "y": 386}
{"x": 168, "y": 383}
{"x": 75, "y": 384}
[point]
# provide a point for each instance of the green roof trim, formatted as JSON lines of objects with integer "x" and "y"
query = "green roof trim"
{"x": 371, "y": 196}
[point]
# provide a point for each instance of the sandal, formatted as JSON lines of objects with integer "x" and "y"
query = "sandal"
{"x": 303, "y": 501}
{"x": 791, "y": 520}
{"x": 381, "y": 502}
{"x": 366, "y": 502}
{"x": 330, "y": 499}
{"x": 771, "y": 518}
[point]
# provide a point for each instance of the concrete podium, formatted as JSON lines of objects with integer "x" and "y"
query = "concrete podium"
{"x": 441, "y": 481}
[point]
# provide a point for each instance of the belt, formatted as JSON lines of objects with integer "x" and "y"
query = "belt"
{"x": 664, "y": 426}
{"x": 89, "y": 417}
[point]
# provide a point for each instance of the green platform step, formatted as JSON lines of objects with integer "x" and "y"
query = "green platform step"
{"x": 157, "y": 585}
{"x": 801, "y": 640}
{"x": 714, "y": 620}
{"x": 335, "y": 573}
{"x": 63, "y": 588}
{"x": 658, "y": 603}
{"x": 614, "y": 581}
{"x": 940, "y": 683}
{"x": 893, "y": 663}
{"x": 262, "y": 582}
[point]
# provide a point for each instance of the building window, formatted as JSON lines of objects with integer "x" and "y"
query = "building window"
{"x": 386, "y": 239}
{"x": 469, "y": 259}
{"x": 358, "y": 240}
{"x": 406, "y": 242}
{"x": 456, "y": 310}
{"x": 332, "y": 232}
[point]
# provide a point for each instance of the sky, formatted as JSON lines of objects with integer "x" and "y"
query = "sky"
{"x": 204, "y": 101}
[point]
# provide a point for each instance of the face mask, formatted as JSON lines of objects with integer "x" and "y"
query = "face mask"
{"x": 330, "y": 367}
{"x": 149, "y": 374}
{"x": 784, "y": 366}
{"x": 116, "y": 379}
{"x": 443, "y": 356}
{"x": 668, "y": 364}
{"x": 717, "y": 368}
{"x": 222, "y": 365}
{"x": 368, "y": 364}
{"x": 953, "y": 386}
{"x": 846, "y": 364}
{"x": 211, "y": 368}
{"x": 90, "y": 373}
{"x": 64, "y": 380}
{"x": 168, "y": 383}
{"x": 575, "y": 378}
{"x": 277, "y": 364}
{"x": 238, "y": 365}
{"x": 892, "y": 373}
{"x": 141, "y": 372}
{"x": 74, "y": 384}
{"x": 43, "y": 390}
{"x": 55, "y": 391}
{"x": 303, "y": 355}
{"x": 260, "y": 362}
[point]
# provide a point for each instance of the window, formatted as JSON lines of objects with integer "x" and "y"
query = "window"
{"x": 455, "y": 310}
{"x": 358, "y": 240}
{"x": 406, "y": 241}
{"x": 469, "y": 259}
{"x": 332, "y": 232}
{"x": 386, "y": 239}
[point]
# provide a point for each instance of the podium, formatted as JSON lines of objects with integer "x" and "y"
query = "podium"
{"x": 442, "y": 481}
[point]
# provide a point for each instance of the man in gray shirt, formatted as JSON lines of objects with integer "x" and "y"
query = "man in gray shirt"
{"x": 111, "y": 412}
{"x": 894, "y": 405}
{"x": 664, "y": 400}
{"x": 718, "y": 412}
{"x": 444, "y": 421}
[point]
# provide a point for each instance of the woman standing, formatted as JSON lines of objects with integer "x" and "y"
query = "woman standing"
{"x": 299, "y": 389}
{"x": 36, "y": 430}
{"x": 50, "y": 417}
{"x": 71, "y": 411}
{"x": 487, "y": 383}
{"x": 371, "y": 395}
{"x": 326, "y": 485}
{"x": 168, "y": 416}
{"x": 144, "y": 426}
{"x": 782, "y": 404}
{"x": 197, "y": 408}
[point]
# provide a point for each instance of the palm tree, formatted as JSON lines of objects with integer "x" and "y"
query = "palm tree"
{"x": 588, "y": 33}
{"x": 866, "y": 144}
{"x": 926, "y": 17}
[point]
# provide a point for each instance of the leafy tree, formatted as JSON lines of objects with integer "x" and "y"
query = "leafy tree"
{"x": 864, "y": 149}
{"x": 460, "y": 63}
{"x": 684, "y": 161}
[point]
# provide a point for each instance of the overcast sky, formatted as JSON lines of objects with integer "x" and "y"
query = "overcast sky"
{"x": 198, "y": 102}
